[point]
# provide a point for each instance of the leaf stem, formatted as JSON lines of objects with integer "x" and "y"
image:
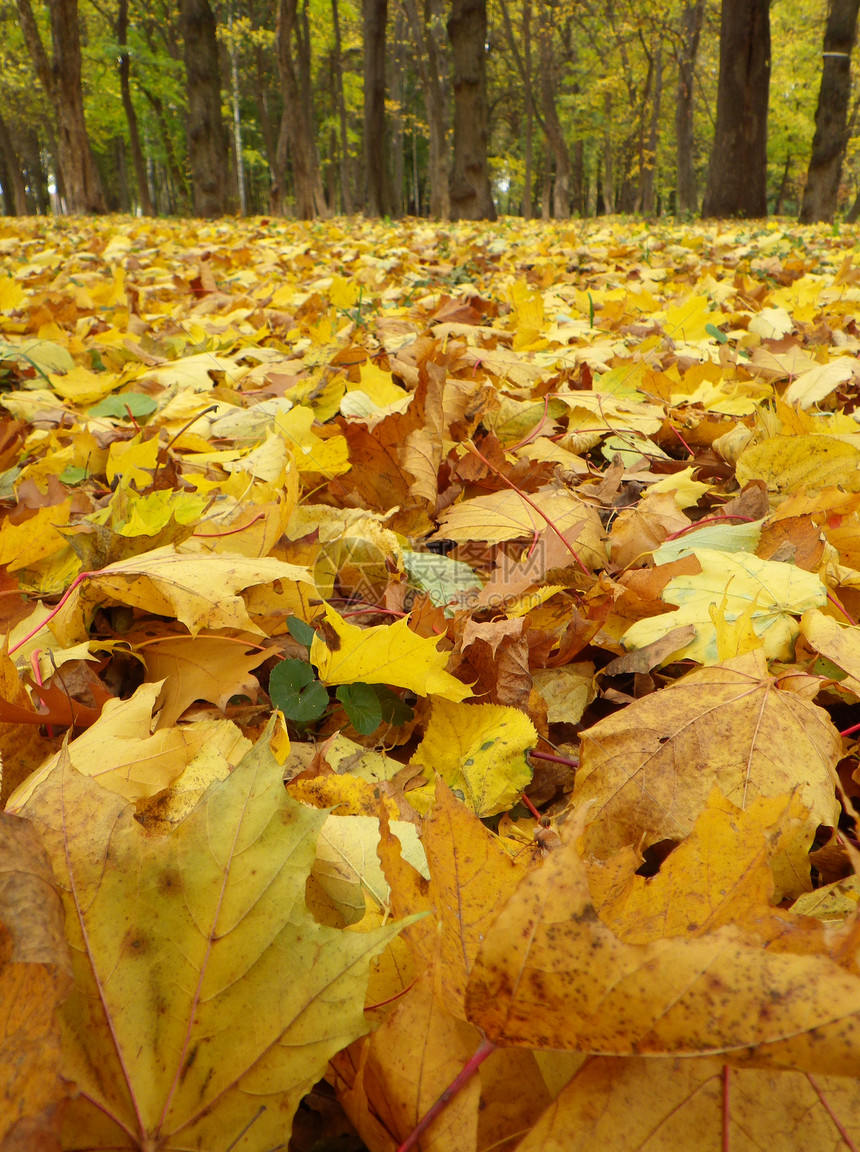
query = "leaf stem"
{"x": 551, "y": 756}
{"x": 78, "y": 580}
{"x": 484, "y": 1049}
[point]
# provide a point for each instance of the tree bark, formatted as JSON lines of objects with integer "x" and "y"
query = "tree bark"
{"x": 14, "y": 189}
{"x": 374, "y": 19}
{"x": 130, "y": 114}
{"x": 648, "y": 164}
{"x": 820, "y": 197}
{"x": 608, "y": 157}
{"x": 207, "y": 140}
{"x": 737, "y": 174}
{"x": 469, "y": 181}
{"x": 345, "y": 190}
{"x": 297, "y": 129}
{"x": 60, "y": 76}
{"x": 691, "y": 28}
{"x": 528, "y": 149}
{"x": 552, "y": 124}
{"x": 429, "y": 57}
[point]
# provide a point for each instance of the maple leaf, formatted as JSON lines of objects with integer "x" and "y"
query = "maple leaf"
{"x": 170, "y": 582}
{"x": 772, "y": 593}
{"x": 34, "y": 980}
{"x": 387, "y": 654}
{"x": 207, "y": 999}
{"x": 550, "y": 974}
{"x": 647, "y": 771}
{"x": 479, "y": 751}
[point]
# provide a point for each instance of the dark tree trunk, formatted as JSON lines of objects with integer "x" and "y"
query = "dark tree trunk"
{"x": 375, "y": 17}
{"x": 130, "y": 115}
{"x": 297, "y": 128}
{"x": 345, "y": 190}
{"x": 831, "y": 136}
{"x": 608, "y": 157}
{"x": 432, "y": 70}
{"x": 648, "y": 164}
{"x": 38, "y": 197}
{"x": 779, "y": 203}
{"x": 207, "y": 141}
{"x": 552, "y": 124}
{"x": 398, "y": 94}
{"x": 691, "y": 24}
{"x": 469, "y": 181}
{"x": 737, "y": 174}
{"x": 261, "y": 97}
{"x": 12, "y": 176}
{"x": 528, "y": 151}
{"x": 577, "y": 181}
{"x": 61, "y": 79}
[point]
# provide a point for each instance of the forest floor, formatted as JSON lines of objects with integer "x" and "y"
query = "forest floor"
{"x": 528, "y": 555}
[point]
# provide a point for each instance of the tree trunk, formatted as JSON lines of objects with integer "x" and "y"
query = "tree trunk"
{"x": 432, "y": 69}
{"x": 469, "y": 181}
{"x": 38, "y": 196}
{"x": 297, "y": 127}
{"x": 375, "y": 17}
{"x": 783, "y": 187}
{"x": 130, "y": 115}
{"x": 207, "y": 140}
{"x": 691, "y": 25}
{"x": 608, "y": 157}
{"x": 61, "y": 79}
{"x": 398, "y": 96}
{"x": 345, "y": 190}
{"x": 737, "y": 174}
{"x": 649, "y": 153}
{"x": 530, "y": 116}
{"x": 176, "y": 173}
{"x": 821, "y": 194}
{"x": 552, "y": 124}
{"x": 14, "y": 188}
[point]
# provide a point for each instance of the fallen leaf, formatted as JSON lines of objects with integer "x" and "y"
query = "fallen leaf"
{"x": 207, "y": 1000}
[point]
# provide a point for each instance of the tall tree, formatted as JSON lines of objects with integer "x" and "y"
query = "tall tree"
{"x": 60, "y": 76}
{"x": 297, "y": 127}
{"x": 121, "y": 28}
{"x": 337, "y": 61}
{"x": 207, "y": 140}
{"x": 831, "y": 118}
{"x": 551, "y": 123}
{"x": 433, "y": 75}
{"x": 469, "y": 181}
{"x": 691, "y": 28}
{"x": 11, "y": 175}
{"x": 737, "y": 174}
{"x": 375, "y": 17}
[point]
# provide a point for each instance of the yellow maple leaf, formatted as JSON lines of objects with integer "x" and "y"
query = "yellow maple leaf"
{"x": 207, "y": 998}
{"x": 387, "y": 654}
{"x": 479, "y": 750}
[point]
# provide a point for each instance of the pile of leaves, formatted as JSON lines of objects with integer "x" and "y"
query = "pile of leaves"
{"x": 429, "y": 649}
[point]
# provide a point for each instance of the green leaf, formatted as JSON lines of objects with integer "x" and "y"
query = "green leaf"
{"x": 362, "y": 706}
{"x": 123, "y": 405}
{"x": 716, "y": 334}
{"x": 394, "y": 710}
{"x": 300, "y": 631}
{"x": 73, "y": 475}
{"x": 294, "y": 688}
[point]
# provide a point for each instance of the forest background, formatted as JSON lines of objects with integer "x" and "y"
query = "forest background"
{"x": 446, "y": 108}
